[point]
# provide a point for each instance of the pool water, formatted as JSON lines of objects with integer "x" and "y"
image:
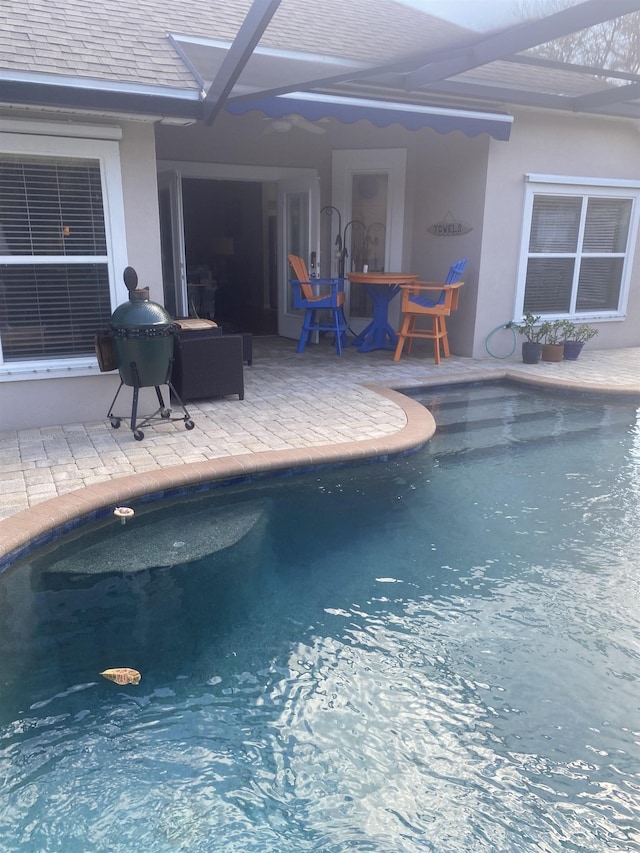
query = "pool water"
{"x": 438, "y": 653}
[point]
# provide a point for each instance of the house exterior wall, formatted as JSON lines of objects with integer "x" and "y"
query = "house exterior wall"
{"x": 479, "y": 182}
{"x": 139, "y": 181}
{"x": 448, "y": 179}
{"x": 558, "y": 144}
{"x": 28, "y": 402}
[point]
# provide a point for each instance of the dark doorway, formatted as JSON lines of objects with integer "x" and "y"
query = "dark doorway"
{"x": 230, "y": 252}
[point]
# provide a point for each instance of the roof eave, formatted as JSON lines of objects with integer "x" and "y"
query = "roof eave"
{"x": 165, "y": 103}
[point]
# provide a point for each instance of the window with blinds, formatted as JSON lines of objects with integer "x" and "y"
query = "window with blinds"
{"x": 576, "y": 254}
{"x": 54, "y": 283}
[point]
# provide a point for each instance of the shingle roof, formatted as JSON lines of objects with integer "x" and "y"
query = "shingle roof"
{"x": 116, "y": 41}
{"x": 127, "y": 41}
{"x": 118, "y": 54}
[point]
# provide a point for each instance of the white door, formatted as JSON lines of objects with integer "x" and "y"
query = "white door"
{"x": 368, "y": 188}
{"x": 174, "y": 267}
{"x": 299, "y": 234}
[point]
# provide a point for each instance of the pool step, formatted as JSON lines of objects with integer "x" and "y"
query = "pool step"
{"x": 485, "y": 420}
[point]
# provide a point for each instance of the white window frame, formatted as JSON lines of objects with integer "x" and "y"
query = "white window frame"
{"x": 58, "y": 140}
{"x": 563, "y": 185}
{"x": 345, "y": 163}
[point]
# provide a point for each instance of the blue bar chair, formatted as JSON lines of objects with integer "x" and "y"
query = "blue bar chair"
{"x": 324, "y": 311}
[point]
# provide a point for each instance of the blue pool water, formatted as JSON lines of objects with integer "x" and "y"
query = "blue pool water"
{"x": 438, "y": 653}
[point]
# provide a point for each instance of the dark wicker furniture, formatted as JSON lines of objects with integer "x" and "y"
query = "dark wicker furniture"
{"x": 247, "y": 341}
{"x": 207, "y": 364}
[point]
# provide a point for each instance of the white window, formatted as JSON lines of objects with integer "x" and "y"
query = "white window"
{"x": 577, "y": 247}
{"x": 61, "y": 242}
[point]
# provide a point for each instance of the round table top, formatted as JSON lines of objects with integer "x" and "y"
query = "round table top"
{"x": 382, "y": 277}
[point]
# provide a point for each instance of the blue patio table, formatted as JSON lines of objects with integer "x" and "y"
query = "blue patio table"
{"x": 381, "y": 287}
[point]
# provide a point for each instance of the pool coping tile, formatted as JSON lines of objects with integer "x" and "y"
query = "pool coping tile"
{"x": 30, "y": 525}
{"x": 28, "y": 528}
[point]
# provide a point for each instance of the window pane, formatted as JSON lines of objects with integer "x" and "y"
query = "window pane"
{"x": 52, "y": 310}
{"x": 297, "y": 210}
{"x": 366, "y": 237}
{"x": 50, "y": 207}
{"x": 369, "y": 213}
{"x": 599, "y": 284}
{"x": 607, "y": 225}
{"x": 555, "y": 223}
{"x": 548, "y": 285}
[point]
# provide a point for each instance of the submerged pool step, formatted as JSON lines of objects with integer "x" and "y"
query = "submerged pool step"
{"x": 488, "y": 420}
{"x": 496, "y": 406}
{"x": 448, "y": 451}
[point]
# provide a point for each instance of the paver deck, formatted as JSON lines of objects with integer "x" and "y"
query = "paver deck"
{"x": 298, "y": 410}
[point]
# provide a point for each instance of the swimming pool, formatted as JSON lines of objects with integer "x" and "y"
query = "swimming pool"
{"x": 438, "y": 653}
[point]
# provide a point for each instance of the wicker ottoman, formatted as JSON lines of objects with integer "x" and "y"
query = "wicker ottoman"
{"x": 207, "y": 364}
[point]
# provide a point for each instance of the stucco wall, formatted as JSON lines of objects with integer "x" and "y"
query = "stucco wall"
{"x": 449, "y": 180}
{"x": 560, "y": 144}
{"x": 79, "y": 399}
{"x": 138, "y": 162}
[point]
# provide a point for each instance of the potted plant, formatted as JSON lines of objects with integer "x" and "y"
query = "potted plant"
{"x": 575, "y": 337}
{"x": 531, "y": 347}
{"x": 552, "y": 340}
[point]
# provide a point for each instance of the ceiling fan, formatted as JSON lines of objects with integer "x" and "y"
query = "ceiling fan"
{"x": 287, "y": 123}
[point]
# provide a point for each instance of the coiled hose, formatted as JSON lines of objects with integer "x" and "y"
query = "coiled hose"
{"x": 509, "y": 326}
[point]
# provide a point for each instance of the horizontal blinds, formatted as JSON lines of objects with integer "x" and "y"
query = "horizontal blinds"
{"x": 607, "y": 225}
{"x": 51, "y": 208}
{"x": 555, "y": 224}
{"x": 599, "y": 284}
{"x": 548, "y": 285}
{"x": 594, "y": 233}
{"x": 54, "y": 280}
{"x": 52, "y": 310}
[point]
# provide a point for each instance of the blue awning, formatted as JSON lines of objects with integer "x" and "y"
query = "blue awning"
{"x": 313, "y": 107}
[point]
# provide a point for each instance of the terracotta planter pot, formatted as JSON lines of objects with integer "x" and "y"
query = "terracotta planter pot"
{"x": 552, "y": 352}
{"x": 572, "y": 349}
{"x": 531, "y": 352}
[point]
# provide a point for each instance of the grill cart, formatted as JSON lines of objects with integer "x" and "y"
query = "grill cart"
{"x": 142, "y": 334}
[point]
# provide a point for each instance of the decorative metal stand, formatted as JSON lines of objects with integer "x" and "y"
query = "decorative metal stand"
{"x": 161, "y": 415}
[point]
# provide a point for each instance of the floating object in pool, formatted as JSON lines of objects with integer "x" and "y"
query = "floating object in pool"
{"x": 168, "y": 537}
{"x": 123, "y": 513}
{"x": 122, "y": 675}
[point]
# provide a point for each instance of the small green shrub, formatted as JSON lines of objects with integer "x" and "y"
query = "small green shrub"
{"x": 529, "y": 328}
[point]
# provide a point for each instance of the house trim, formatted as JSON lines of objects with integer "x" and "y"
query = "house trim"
{"x": 582, "y": 182}
{"x": 165, "y": 103}
{"x": 51, "y": 128}
{"x": 96, "y": 84}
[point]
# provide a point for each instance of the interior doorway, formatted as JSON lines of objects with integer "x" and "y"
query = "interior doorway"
{"x": 230, "y": 251}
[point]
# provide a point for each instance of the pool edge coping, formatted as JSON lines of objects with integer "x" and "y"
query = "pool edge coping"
{"x": 17, "y": 531}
